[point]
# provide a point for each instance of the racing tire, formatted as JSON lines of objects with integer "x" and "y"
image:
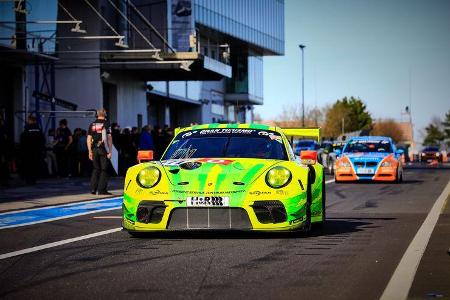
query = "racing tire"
{"x": 307, "y": 226}
{"x": 136, "y": 234}
{"x": 400, "y": 177}
{"x": 331, "y": 167}
{"x": 321, "y": 224}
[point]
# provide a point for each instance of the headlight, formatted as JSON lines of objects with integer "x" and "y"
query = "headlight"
{"x": 437, "y": 153}
{"x": 148, "y": 177}
{"x": 386, "y": 164}
{"x": 278, "y": 177}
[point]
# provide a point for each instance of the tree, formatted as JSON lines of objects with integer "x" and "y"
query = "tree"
{"x": 433, "y": 135}
{"x": 349, "y": 114}
{"x": 446, "y": 129}
{"x": 388, "y": 128}
{"x": 291, "y": 116}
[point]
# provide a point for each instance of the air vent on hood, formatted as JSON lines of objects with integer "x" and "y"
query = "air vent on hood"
{"x": 190, "y": 165}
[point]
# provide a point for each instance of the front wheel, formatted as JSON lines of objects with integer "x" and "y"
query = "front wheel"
{"x": 331, "y": 167}
{"x": 321, "y": 224}
{"x": 307, "y": 226}
{"x": 399, "y": 176}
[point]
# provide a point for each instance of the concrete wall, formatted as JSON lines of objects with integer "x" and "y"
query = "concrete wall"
{"x": 131, "y": 99}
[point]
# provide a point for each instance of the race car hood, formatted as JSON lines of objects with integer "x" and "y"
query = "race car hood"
{"x": 215, "y": 174}
{"x": 366, "y": 157}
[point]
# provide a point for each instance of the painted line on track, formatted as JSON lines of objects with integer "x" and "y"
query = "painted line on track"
{"x": 46, "y": 214}
{"x": 72, "y": 240}
{"x": 59, "y": 243}
{"x": 403, "y": 277}
{"x": 57, "y": 212}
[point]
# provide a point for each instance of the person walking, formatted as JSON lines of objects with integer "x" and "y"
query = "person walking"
{"x": 32, "y": 145}
{"x": 99, "y": 144}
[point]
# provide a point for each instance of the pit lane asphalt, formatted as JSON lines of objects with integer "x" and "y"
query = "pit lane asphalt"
{"x": 369, "y": 228}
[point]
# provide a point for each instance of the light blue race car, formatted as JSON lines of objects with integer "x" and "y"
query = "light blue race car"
{"x": 369, "y": 158}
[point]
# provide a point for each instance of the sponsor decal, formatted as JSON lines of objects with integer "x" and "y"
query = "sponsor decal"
{"x": 207, "y": 193}
{"x": 281, "y": 192}
{"x": 183, "y": 153}
{"x": 227, "y": 131}
{"x": 158, "y": 192}
{"x": 258, "y": 193}
{"x": 216, "y": 161}
{"x": 207, "y": 201}
{"x": 292, "y": 222}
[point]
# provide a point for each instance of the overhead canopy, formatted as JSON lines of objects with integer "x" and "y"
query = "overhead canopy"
{"x": 159, "y": 66}
{"x": 10, "y": 55}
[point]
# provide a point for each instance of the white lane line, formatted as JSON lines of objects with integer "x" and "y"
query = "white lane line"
{"x": 61, "y": 218}
{"x": 402, "y": 279}
{"x": 61, "y": 205}
{"x": 329, "y": 181}
{"x": 59, "y": 243}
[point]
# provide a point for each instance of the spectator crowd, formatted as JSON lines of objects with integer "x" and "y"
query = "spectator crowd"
{"x": 63, "y": 153}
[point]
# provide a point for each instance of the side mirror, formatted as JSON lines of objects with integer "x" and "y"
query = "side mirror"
{"x": 308, "y": 157}
{"x": 144, "y": 155}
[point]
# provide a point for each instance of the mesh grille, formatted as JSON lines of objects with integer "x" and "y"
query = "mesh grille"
{"x": 209, "y": 218}
{"x": 272, "y": 211}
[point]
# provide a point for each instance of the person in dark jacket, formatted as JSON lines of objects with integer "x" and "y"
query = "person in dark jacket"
{"x": 32, "y": 144}
{"x": 62, "y": 148}
{"x": 4, "y": 142}
{"x": 146, "y": 139}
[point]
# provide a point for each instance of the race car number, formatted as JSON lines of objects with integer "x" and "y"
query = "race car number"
{"x": 365, "y": 171}
{"x": 208, "y": 201}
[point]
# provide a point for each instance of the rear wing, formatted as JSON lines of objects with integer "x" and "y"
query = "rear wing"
{"x": 302, "y": 132}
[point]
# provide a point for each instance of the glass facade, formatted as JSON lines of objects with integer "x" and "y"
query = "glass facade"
{"x": 30, "y": 31}
{"x": 257, "y": 22}
{"x": 247, "y": 79}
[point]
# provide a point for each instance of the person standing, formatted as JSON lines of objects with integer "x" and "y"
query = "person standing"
{"x": 32, "y": 145}
{"x": 4, "y": 149}
{"x": 63, "y": 141}
{"x": 99, "y": 144}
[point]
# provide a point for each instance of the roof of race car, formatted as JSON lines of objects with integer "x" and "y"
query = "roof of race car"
{"x": 370, "y": 138}
{"x": 232, "y": 126}
{"x": 217, "y": 125}
{"x": 302, "y": 132}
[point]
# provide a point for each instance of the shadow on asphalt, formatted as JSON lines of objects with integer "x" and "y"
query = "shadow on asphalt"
{"x": 405, "y": 181}
{"x": 332, "y": 227}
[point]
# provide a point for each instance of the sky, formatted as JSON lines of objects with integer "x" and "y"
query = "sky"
{"x": 386, "y": 52}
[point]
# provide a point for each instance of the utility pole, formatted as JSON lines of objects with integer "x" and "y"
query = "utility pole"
{"x": 302, "y": 47}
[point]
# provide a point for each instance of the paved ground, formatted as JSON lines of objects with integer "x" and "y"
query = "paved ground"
{"x": 52, "y": 191}
{"x": 369, "y": 228}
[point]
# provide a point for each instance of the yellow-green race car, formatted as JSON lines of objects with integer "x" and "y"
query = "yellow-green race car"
{"x": 227, "y": 177}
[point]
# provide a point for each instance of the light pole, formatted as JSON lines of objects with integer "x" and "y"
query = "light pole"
{"x": 302, "y": 47}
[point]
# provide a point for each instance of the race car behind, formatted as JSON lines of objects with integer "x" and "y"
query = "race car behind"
{"x": 370, "y": 158}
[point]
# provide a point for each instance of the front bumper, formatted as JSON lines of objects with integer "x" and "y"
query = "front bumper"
{"x": 268, "y": 215}
{"x": 381, "y": 174}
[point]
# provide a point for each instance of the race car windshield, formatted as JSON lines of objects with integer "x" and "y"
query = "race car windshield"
{"x": 431, "y": 149}
{"x": 368, "y": 146}
{"x": 226, "y": 147}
